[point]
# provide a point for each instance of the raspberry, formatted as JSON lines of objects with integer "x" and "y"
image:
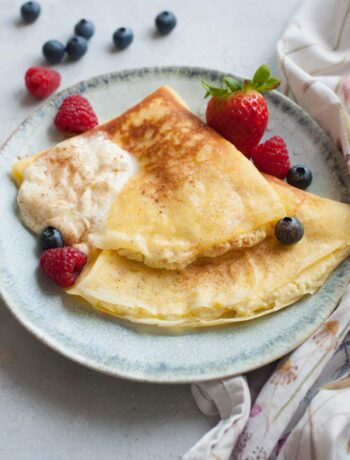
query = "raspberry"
{"x": 41, "y": 82}
{"x": 75, "y": 115}
{"x": 272, "y": 157}
{"x": 63, "y": 265}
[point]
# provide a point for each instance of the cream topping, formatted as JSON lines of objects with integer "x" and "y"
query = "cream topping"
{"x": 72, "y": 186}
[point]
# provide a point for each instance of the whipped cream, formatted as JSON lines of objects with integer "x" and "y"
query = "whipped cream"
{"x": 71, "y": 186}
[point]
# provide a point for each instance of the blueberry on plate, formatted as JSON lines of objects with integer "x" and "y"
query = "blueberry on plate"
{"x": 165, "y": 22}
{"x": 299, "y": 176}
{"x": 76, "y": 47}
{"x": 84, "y": 28}
{"x": 289, "y": 230}
{"x": 50, "y": 237}
{"x": 53, "y": 50}
{"x": 30, "y": 11}
{"x": 122, "y": 37}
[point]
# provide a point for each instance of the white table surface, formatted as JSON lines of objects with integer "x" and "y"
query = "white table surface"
{"x": 51, "y": 408}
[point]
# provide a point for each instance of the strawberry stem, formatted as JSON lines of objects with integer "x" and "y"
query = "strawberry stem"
{"x": 246, "y": 85}
{"x": 261, "y": 81}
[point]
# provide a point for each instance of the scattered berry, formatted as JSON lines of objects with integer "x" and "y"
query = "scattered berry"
{"x": 272, "y": 157}
{"x": 122, "y": 37}
{"x": 76, "y": 47}
{"x": 30, "y": 11}
{"x": 63, "y": 265}
{"x": 50, "y": 238}
{"x": 41, "y": 82}
{"x": 75, "y": 115}
{"x": 165, "y": 22}
{"x": 299, "y": 176}
{"x": 53, "y": 50}
{"x": 238, "y": 111}
{"x": 84, "y": 28}
{"x": 289, "y": 230}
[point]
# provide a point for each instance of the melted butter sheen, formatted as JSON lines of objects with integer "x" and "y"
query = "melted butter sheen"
{"x": 72, "y": 186}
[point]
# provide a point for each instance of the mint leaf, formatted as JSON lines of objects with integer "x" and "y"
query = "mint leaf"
{"x": 232, "y": 84}
{"x": 261, "y": 76}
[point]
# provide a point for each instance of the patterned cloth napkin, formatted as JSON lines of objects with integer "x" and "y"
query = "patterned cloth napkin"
{"x": 301, "y": 406}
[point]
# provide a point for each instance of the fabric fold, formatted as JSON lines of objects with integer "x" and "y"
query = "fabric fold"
{"x": 229, "y": 398}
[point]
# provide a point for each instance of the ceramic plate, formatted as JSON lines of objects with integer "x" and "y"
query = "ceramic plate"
{"x": 148, "y": 354}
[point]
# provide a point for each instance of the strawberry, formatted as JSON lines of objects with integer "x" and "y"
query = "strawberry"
{"x": 272, "y": 157}
{"x": 238, "y": 111}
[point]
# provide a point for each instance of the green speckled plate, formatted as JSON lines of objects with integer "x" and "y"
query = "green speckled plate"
{"x": 147, "y": 354}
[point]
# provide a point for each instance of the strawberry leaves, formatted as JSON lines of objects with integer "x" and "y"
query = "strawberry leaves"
{"x": 262, "y": 81}
{"x": 261, "y": 76}
{"x": 215, "y": 91}
{"x": 232, "y": 84}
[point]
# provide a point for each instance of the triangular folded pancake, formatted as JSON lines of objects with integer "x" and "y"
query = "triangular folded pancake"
{"x": 191, "y": 194}
{"x": 194, "y": 193}
{"x": 237, "y": 286}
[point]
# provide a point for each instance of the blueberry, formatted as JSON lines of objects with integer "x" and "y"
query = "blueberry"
{"x": 299, "y": 176}
{"x": 30, "y": 11}
{"x": 50, "y": 237}
{"x": 53, "y": 50}
{"x": 122, "y": 37}
{"x": 84, "y": 28}
{"x": 165, "y": 22}
{"x": 76, "y": 47}
{"x": 289, "y": 230}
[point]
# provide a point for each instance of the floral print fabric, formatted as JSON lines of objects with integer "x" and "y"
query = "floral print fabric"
{"x": 267, "y": 433}
{"x": 323, "y": 431}
{"x": 313, "y": 59}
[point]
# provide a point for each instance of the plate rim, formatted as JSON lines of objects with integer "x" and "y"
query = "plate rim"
{"x": 51, "y": 342}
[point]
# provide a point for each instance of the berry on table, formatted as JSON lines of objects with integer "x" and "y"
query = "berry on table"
{"x": 238, "y": 111}
{"x": 122, "y": 37}
{"x": 50, "y": 238}
{"x": 272, "y": 157}
{"x": 76, "y": 47}
{"x": 75, "y": 115}
{"x": 165, "y": 22}
{"x": 30, "y": 11}
{"x": 53, "y": 51}
{"x": 41, "y": 82}
{"x": 63, "y": 265}
{"x": 289, "y": 230}
{"x": 84, "y": 28}
{"x": 299, "y": 176}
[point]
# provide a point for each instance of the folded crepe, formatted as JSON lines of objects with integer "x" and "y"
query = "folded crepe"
{"x": 239, "y": 285}
{"x": 193, "y": 194}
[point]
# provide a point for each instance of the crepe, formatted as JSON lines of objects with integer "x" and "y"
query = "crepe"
{"x": 193, "y": 194}
{"x": 239, "y": 285}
